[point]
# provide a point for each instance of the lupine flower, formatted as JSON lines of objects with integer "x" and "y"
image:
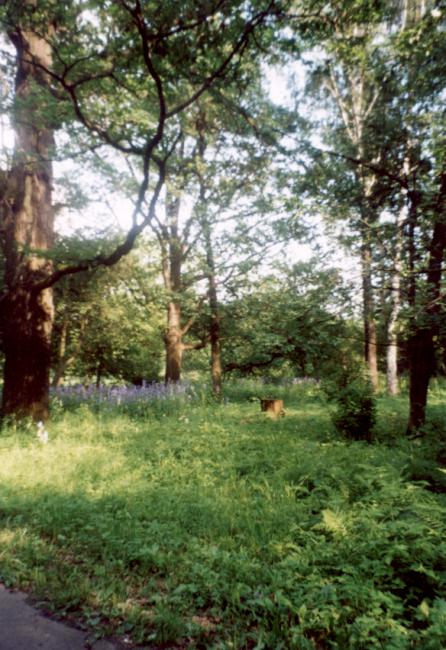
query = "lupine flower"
{"x": 121, "y": 396}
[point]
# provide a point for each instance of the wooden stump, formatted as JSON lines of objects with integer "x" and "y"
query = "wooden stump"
{"x": 273, "y": 407}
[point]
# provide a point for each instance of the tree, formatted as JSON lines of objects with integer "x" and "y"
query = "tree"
{"x": 290, "y": 323}
{"x": 235, "y": 196}
{"x": 124, "y": 76}
{"x": 212, "y": 182}
{"x": 26, "y": 213}
{"x": 351, "y": 75}
{"x": 408, "y": 172}
{"x": 422, "y": 81}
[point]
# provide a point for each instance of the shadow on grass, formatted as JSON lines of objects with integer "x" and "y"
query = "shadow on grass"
{"x": 123, "y": 564}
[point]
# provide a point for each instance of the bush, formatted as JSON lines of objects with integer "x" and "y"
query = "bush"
{"x": 355, "y": 412}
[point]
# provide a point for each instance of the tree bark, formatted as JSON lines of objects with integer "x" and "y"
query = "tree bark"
{"x": 214, "y": 330}
{"x": 27, "y": 234}
{"x": 62, "y": 361}
{"x": 172, "y": 268}
{"x": 395, "y": 305}
{"x": 421, "y": 364}
{"x": 216, "y": 366}
{"x": 370, "y": 343}
{"x": 173, "y": 343}
{"x": 421, "y": 344}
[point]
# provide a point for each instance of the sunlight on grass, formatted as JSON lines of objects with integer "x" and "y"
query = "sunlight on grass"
{"x": 226, "y": 527}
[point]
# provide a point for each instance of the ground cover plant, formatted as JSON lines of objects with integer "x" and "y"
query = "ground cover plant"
{"x": 197, "y": 524}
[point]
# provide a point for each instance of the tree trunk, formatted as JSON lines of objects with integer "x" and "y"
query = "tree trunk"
{"x": 395, "y": 304}
{"x": 392, "y": 350}
{"x": 421, "y": 363}
{"x": 216, "y": 366}
{"x": 98, "y": 375}
{"x": 370, "y": 344}
{"x": 355, "y": 105}
{"x": 62, "y": 361}
{"x": 421, "y": 345}
{"x": 214, "y": 330}
{"x": 172, "y": 269}
{"x": 414, "y": 199}
{"x": 27, "y": 225}
{"x": 27, "y": 345}
{"x": 173, "y": 343}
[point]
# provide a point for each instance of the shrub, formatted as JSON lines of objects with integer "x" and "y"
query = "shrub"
{"x": 355, "y": 406}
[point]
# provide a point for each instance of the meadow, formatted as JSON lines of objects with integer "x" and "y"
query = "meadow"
{"x": 173, "y": 521}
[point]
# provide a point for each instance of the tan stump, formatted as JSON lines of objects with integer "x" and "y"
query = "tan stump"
{"x": 273, "y": 407}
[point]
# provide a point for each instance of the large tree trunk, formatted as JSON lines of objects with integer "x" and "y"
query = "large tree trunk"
{"x": 421, "y": 363}
{"x": 27, "y": 225}
{"x": 27, "y": 346}
{"x": 421, "y": 345}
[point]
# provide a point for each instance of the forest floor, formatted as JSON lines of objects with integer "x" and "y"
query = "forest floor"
{"x": 205, "y": 525}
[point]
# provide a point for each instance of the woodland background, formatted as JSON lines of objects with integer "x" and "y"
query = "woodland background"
{"x": 202, "y": 205}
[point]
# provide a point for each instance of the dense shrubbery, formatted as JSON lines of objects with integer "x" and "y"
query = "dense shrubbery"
{"x": 351, "y": 392}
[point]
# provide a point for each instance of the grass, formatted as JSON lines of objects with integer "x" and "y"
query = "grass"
{"x": 213, "y": 526}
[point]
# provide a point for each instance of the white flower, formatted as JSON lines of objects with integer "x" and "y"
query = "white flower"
{"x": 42, "y": 433}
{"x": 436, "y": 13}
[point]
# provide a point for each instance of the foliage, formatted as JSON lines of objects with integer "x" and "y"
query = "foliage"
{"x": 109, "y": 323}
{"x": 288, "y": 323}
{"x": 380, "y": 169}
{"x": 217, "y": 527}
{"x": 352, "y": 393}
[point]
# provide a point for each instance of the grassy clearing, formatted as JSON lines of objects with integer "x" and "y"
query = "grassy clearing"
{"x": 212, "y": 526}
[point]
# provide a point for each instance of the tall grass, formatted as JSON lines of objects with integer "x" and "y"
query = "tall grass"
{"x": 195, "y": 524}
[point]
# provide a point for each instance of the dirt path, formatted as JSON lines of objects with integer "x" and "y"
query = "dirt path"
{"x": 24, "y": 628}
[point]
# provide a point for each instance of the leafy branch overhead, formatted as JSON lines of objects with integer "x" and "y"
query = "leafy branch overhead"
{"x": 130, "y": 90}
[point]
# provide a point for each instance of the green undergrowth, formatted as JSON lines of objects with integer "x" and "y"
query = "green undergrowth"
{"x": 217, "y": 527}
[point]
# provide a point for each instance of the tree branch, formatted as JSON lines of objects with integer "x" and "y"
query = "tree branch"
{"x": 219, "y": 71}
